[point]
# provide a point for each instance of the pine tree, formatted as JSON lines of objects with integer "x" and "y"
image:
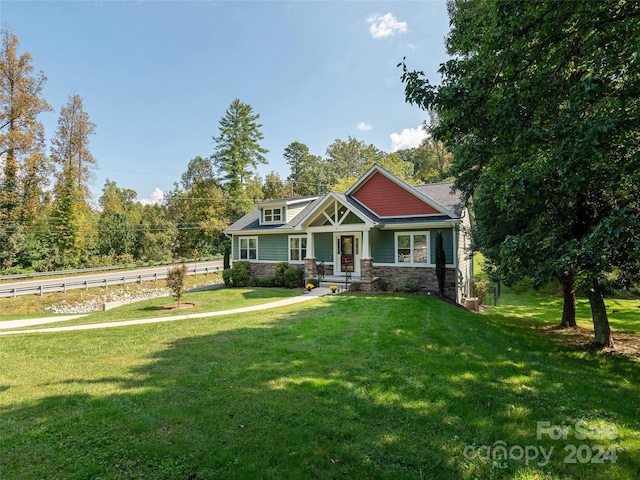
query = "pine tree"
{"x": 70, "y": 146}
{"x": 238, "y": 151}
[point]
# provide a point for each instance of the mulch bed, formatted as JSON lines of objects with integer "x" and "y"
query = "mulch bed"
{"x": 175, "y": 306}
{"x": 626, "y": 344}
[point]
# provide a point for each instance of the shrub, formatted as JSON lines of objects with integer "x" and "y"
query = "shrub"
{"x": 480, "y": 288}
{"x": 410, "y": 286}
{"x": 279, "y": 275}
{"x": 175, "y": 281}
{"x": 227, "y": 277}
{"x": 293, "y": 278}
{"x": 382, "y": 285}
{"x": 241, "y": 274}
{"x": 441, "y": 261}
{"x": 266, "y": 282}
{"x": 226, "y": 262}
{"x": 313, "y": 281}
{"x": 355, "y": 286}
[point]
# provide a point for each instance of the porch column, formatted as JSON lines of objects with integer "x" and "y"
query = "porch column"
{"x": 311, "y": 249}
{"x": 310, "y": 267}
{"x": 366, "y": 249}
{"x": 366, "y": 262}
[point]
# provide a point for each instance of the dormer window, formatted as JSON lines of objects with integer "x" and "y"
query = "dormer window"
{"x": 272, "y": 215}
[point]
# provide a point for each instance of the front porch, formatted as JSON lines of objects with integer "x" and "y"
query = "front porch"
{"x": 363, "y": 276}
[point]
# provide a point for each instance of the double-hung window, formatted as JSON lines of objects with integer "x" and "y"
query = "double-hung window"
{"x": 272, "y": 215}
{"x": 248, "y": 248}
{"x": 297, "y": 248}
{"x": 411, "y": 247}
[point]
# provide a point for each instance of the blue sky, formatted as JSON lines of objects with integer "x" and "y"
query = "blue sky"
{"x": 156, "y": 77}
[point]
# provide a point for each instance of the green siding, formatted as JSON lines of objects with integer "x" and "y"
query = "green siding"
{"x": 352, "y": 219}
{"x": 273, "y": 248}
{"x": 447, "y": 237}
{"x": 270, "y": 247}
{"x": 382, "y": 246}
{"x": 324, "y": 246}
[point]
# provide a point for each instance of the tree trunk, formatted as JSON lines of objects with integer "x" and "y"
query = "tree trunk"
{"x": 569, "y": 307}
{"x": 601, "y": 328}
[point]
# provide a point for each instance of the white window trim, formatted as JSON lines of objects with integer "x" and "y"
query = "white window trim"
{"x": 240, "y": 239}
{"x": 272, "y": 210}
{"x": 424, "y": 233}
{"x": 300, "y": 237}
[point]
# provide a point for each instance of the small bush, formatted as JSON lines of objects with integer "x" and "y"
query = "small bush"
{"x": 355, "y": 286}
{"x": 293, "y": 278}
{"x": 241, "y": 274}
{"x": 480, "y": 288}
{"x": 267, "y": 282}
{"x": 313, "y": 281}
{"x": 279, "y": 275}
{"x": 382, "y": 285}
{"x": 410, "y": 286}
{"x": 227, "y": 277}
{"x": 175, "y": 281}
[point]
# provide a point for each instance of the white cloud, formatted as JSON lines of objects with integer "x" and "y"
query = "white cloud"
{"x": 408, "y": 138}
{"x": 364, "y": 127}
{"x": 156, "y": 197}
{"x": 387, "y": 25}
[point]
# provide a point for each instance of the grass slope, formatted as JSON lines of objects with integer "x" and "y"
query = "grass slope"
{"x": 341, "y": 387}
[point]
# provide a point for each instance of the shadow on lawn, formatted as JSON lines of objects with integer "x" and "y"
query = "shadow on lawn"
{"x": 353, "y": 387}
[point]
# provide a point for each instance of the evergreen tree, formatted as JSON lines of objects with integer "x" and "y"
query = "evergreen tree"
{"x": 70, "y": 146}
{"x": 238, "y": 151}
{"x": 307, "y": 171}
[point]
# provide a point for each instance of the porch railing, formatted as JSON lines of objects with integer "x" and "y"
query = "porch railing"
{"x": 320, "y": 271}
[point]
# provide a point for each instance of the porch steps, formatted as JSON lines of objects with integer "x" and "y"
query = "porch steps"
{"x": 340, "y": 281}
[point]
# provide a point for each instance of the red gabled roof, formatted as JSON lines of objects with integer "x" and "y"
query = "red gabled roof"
{"x": 386, "y": 198}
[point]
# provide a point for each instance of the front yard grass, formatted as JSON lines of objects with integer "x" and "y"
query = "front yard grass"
{"x": 204, "y": 301}
{"x": 360, "y": 386}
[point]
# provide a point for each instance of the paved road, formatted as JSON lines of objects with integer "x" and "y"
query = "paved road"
{"x": 315, "y": 293}
{"x": 95, "y": 279}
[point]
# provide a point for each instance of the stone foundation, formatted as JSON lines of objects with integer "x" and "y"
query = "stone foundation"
{"x": 259, "y": 270}
{"x": 372, "y": 276}
{"x": 425, "y": 278}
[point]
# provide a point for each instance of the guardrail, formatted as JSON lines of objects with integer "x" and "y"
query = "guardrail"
{"x": 104, "y": 269}
{"x": 79, "y": 283}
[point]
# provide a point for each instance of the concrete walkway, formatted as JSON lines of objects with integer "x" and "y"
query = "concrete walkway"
{"x": 313, "y": 294}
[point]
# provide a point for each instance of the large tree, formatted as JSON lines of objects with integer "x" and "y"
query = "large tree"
{"x": 119, "y": 218}
{"x": 237, "y": 147}
{"x": 308, "y": 172}
{"x": 70, "y": 145}
{"x": 24, "y": 166}
{"x": 543, "y": 114}
{"x": 350, "y": 159}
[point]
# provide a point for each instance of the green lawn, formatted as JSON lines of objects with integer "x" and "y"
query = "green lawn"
{"x": 340, "y": 387}
{"x": 204, "y": 301}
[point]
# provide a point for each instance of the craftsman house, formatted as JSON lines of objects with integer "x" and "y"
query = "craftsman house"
{"x": 382, "y": 231}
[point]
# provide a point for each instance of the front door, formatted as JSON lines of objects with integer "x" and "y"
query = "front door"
{"x": 348, "y": 247}
{"x": 346, "y": 253}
